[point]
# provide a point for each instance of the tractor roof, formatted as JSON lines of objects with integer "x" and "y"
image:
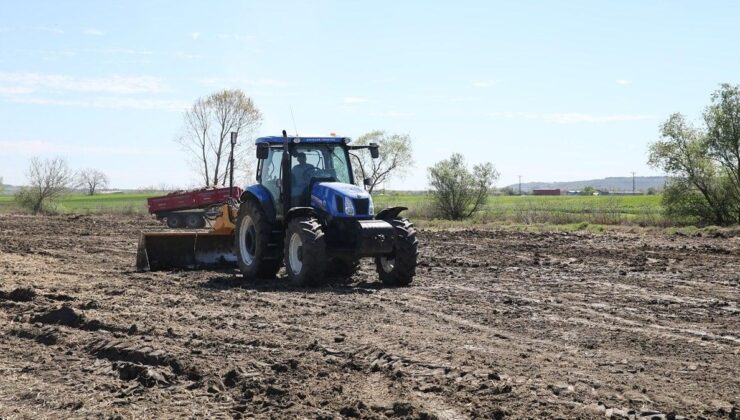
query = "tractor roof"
{"x": 279, "y": 139}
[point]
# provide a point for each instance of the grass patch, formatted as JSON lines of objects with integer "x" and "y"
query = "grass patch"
{"x": 559, "y": 210}
{"x": 123, "y": 203}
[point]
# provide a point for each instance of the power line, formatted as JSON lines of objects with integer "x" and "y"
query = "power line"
{"x": 633, "y": 182}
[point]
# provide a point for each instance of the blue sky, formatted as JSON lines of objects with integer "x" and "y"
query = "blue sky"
{"x": 547, "y": 90}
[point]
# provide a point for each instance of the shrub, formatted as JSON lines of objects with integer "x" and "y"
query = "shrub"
{"x": 457, "y": 192}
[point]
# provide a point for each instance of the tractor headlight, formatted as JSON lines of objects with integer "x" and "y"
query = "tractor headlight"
{"x": 349, "y": 208}
{"x": 371, "y": 209}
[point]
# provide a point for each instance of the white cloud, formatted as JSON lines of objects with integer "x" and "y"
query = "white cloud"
{"x": 461, "y": 99}
{"x": 110, "y": 84}
{"x": 214, "y": 81}
{"x": 40, "y": 147}
{"x": 393, "y": 114}
{"x": 106, "y": 102}
{"x": 267, "y": 83}
{"x": 236, "y": 37}
{"x": 195, "y": 35}
{"x": 92, "y": 32}
{"x": 186, "y": 56}
{"x": 571, "y": 118}
{"x": 623, "y": 82}
{"x": 55, "y": 31}
{"x": 351, "y": 100}
{"x": 117, "y": 51}
{"x": 15, "y": 90}
{"x": 485, "y": 83}
{"x": 514, "y": 115}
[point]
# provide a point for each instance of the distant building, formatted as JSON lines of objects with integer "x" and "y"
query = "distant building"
{"x": 546, "y": 191}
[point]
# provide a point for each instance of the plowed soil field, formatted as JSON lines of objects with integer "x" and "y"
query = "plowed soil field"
{"x": 496, "y": 324}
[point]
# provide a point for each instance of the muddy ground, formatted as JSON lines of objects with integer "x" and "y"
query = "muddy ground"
{"x": 497, "y": 324}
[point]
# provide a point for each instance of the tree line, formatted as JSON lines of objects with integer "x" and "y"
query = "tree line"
{"x": 702, "y": 160}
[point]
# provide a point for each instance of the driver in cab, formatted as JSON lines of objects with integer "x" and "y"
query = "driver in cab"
{"x": 302, "y": 171}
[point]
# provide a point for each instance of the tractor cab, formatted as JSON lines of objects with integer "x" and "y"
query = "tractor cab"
{"x": 320, "y": 170}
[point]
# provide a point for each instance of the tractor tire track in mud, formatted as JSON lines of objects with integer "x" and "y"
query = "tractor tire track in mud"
{"x": 496, "y": 324}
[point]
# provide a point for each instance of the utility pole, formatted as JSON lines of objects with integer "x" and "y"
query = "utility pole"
{"x": 520, "y": 185}
{"x": 633, "y": 182}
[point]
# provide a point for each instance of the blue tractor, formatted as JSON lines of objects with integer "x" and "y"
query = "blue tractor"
{"x": 307, "y": 214}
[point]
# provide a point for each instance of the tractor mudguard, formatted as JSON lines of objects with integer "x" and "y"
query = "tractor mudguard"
{"x": 261, "y": 196}
{"x": 375, "y": 238}
{"x": 390, "y": 213}
{"x": 300, "y": 211}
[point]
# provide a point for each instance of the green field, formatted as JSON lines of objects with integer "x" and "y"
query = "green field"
{"x": 82, "y": 203}
{"x": 644, "y": 210}
{"x": 603, "y": 209}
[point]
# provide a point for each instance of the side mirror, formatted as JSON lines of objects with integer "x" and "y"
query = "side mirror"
{"x": 374, "y": 150}
{"x": 262, "y": 151}
{"x": 367, "y": 182}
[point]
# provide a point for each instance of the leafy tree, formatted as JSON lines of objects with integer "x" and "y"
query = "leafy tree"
{"x": 652, "y": 191}
{"x": 92, "y": 180}
{"x": 507, "y": 191}
{"x": 457, "y": 192}
{"x": 47, "y": 180}
{"x": 394, "y": 161}
{"x": 588, "y": 190}
{"x": 704, "y": 163}
{"x": 207, "y": 134}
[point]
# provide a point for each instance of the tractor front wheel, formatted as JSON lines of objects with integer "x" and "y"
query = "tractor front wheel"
{"x": 252, "y": 236}
{"x": 399, "y": 268}
{"x": 305, "y": 251}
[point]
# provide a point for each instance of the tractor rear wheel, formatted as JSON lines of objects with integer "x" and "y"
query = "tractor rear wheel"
{"x": 399, "y": 268}
{"x": 305, "y": 251}
{"x": 252, "y": 237}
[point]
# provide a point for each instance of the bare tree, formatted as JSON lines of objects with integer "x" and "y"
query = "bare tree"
{"x": 47, "y": 180}
{"x": 196, "y": 137}
{"x": 394, "y": 161}
{"x": 92, "y": 180}
{"x": 207, "y": 134}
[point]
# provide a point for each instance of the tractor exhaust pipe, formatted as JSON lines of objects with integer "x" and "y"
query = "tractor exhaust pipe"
{"x": 286, "y": 175}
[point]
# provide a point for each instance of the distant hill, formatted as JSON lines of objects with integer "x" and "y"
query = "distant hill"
{"x": 8, "y": 189}
{"x": 613, "y": 184}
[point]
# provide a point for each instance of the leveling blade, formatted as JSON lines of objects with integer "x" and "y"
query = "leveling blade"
{"x": 168, "y": 250}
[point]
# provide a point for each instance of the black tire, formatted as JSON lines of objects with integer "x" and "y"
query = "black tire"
{"x": 399, "y": 268}
{"x": 304, "y": 251}
{"x": 254, "y": 255}
{"x": 194, "y": 221}
{"x": 342, "y": 267}
{"x": 174, "y": 221}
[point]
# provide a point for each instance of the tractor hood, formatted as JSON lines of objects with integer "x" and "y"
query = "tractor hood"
{"x": 335, "y": 197}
